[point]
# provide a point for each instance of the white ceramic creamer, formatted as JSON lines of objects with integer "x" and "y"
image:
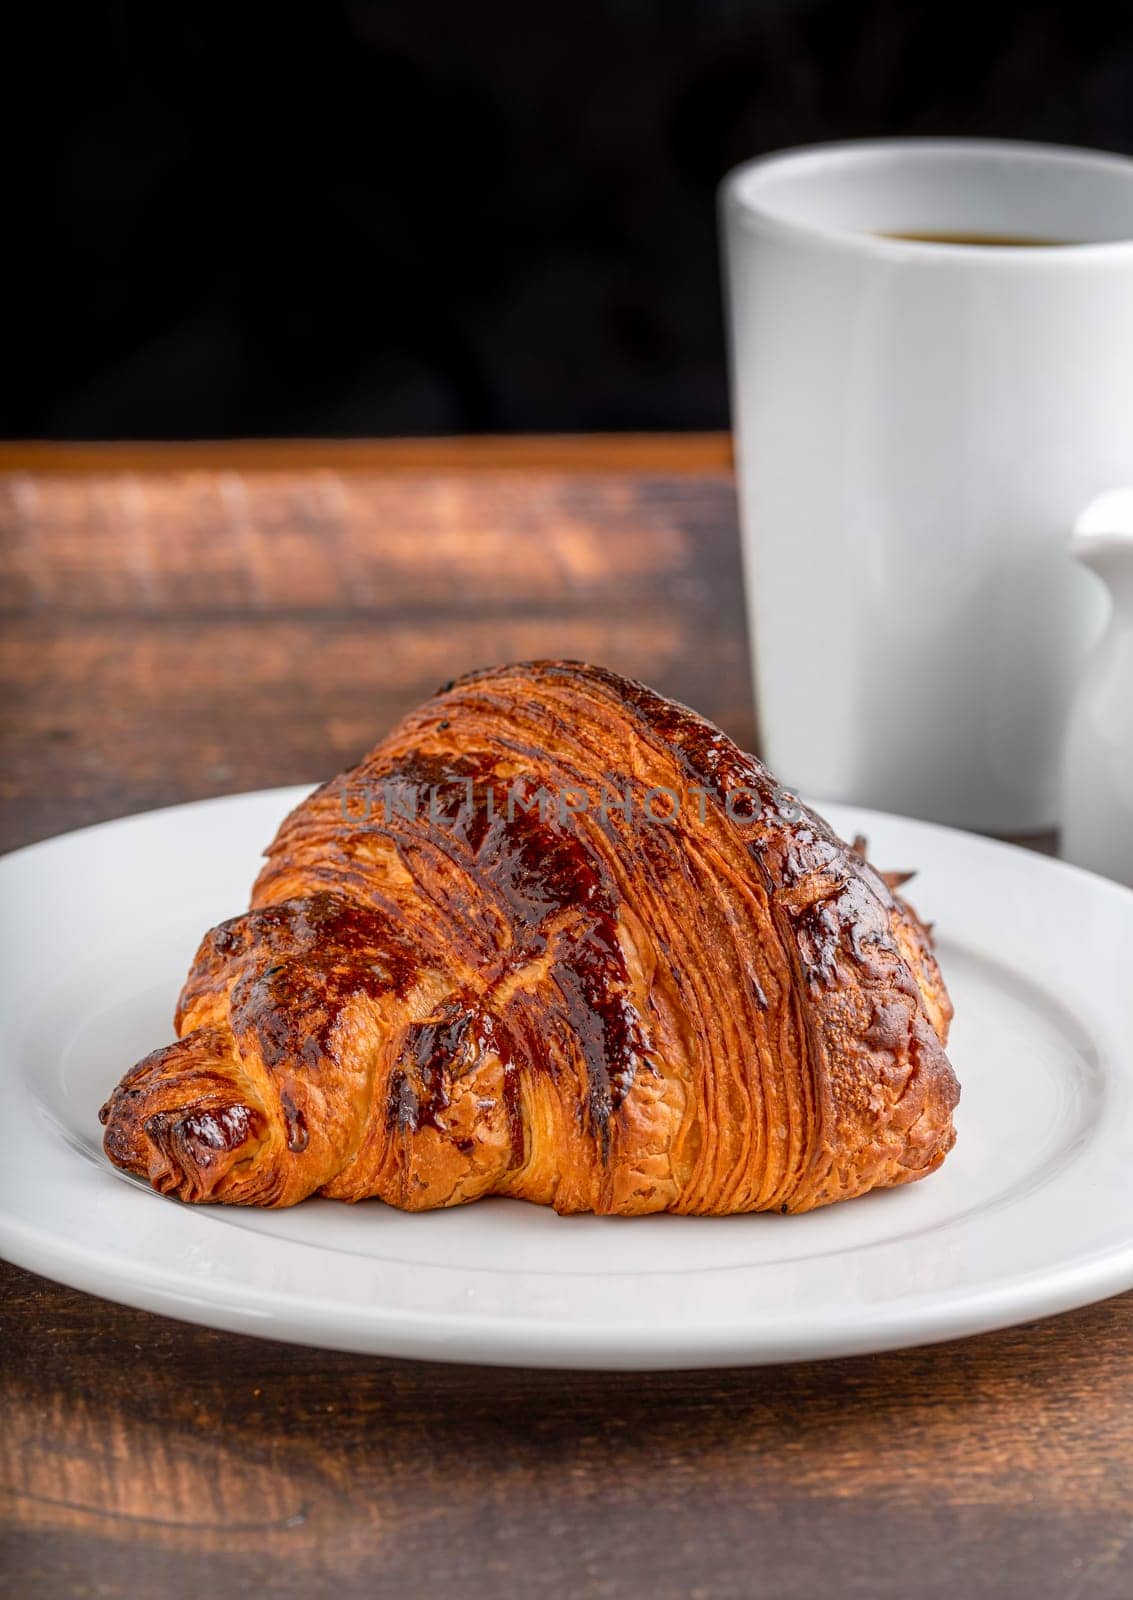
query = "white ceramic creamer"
{"x": 1097, "y": 798}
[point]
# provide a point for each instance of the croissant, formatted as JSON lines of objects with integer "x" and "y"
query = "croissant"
{"x": 557, "y": 938}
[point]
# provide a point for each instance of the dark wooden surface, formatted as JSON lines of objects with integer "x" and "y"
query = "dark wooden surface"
{"x": 177, "y": 624}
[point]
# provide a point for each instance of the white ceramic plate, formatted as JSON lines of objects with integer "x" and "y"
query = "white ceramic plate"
{"x": 1031, "y": 1214}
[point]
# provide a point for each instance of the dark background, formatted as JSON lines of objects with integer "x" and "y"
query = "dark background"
{"x": 407, "y": 218}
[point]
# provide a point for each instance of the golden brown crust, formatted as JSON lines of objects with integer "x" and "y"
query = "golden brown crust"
{"x": 557, "y": 938}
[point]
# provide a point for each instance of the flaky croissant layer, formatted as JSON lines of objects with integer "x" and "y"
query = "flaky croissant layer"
{"x": 556, "y": 938}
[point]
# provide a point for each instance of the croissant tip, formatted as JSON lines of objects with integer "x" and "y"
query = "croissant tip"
{"x": 182, "y": 1146}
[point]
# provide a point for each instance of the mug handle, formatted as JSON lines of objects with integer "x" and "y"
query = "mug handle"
{"x": 1103, "y": 538}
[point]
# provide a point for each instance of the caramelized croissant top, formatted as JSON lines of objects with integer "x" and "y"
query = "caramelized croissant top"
{"x": 555, "y": 937}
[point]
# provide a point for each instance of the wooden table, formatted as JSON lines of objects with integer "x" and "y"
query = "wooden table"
{"x": 187, "y": 622}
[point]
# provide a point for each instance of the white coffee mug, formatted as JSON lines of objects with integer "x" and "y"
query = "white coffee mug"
{"x": 917, "y": 424}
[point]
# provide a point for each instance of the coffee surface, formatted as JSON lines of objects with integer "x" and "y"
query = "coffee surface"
{"x": 1022, "y": 241}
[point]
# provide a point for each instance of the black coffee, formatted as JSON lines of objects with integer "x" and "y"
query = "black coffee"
{"x": 1022, "y": 241}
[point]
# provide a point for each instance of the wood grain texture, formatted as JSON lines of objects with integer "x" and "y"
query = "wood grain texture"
{"x": 178, "y": 629}
{"x": 169, "y": 635}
